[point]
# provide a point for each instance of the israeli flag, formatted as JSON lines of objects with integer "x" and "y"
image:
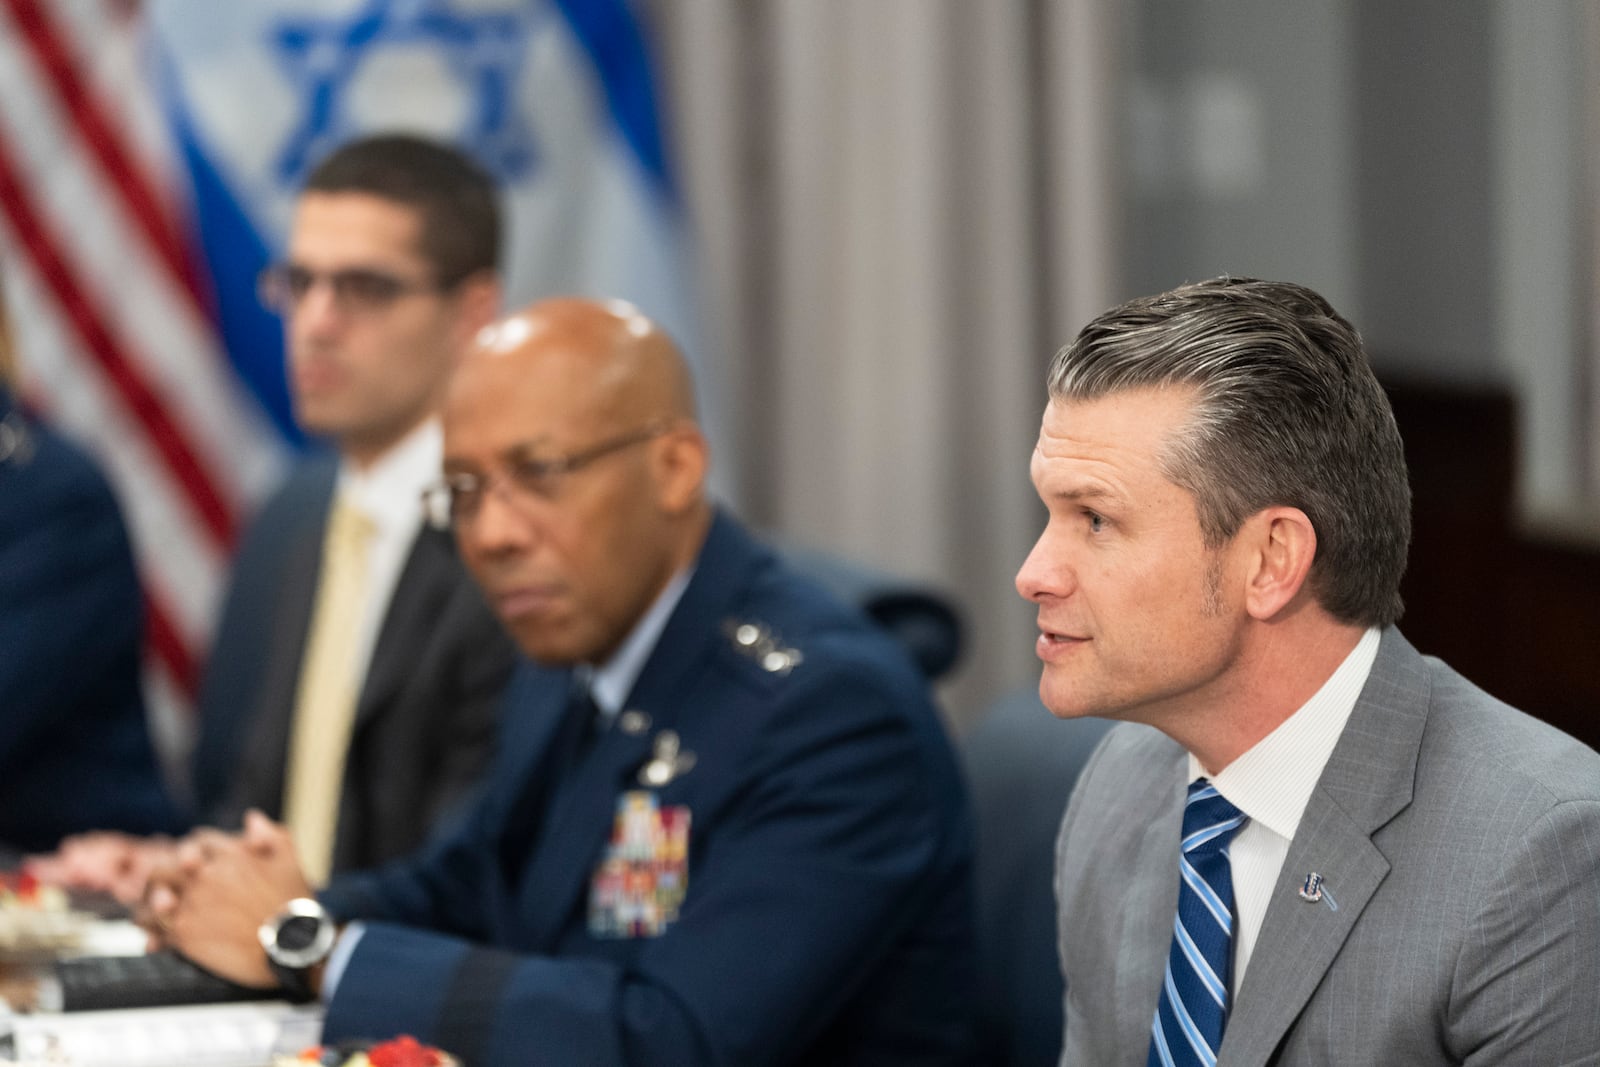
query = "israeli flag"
{"x": 556, "y": 97}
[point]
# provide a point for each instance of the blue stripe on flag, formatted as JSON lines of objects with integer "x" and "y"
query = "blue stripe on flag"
{"x": 611, "y": 34}
{"x": 234, "y": 252}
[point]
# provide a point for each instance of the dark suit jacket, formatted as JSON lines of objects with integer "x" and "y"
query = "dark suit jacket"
{"x": 828, "y": 916}
{"x": 425, "y": 721}
{"x": 75, "y": 751}
{"x": 1459, "y": 922}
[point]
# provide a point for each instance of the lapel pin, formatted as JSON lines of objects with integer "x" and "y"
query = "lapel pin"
{"x": 667, "y": 761}
{"x": 633, "y": 722}
{"x": 1315, "y": 889}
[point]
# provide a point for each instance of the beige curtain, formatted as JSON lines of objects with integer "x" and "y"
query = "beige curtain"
{"x": 902, "y": 208}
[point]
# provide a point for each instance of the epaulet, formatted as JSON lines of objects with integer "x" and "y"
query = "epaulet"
{"x": 757, "y": 642}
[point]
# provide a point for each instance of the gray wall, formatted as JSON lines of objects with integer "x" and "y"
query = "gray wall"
{"x": 1422, "y": 163}
{"x": 1239, "y": 144}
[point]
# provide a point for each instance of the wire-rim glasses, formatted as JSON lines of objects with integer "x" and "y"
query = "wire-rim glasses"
{"x": 457, "y": 497}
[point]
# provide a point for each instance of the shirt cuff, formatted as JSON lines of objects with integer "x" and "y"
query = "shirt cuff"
{"x": 339, "y": 958}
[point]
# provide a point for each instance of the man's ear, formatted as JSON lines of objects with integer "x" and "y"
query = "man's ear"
{"x": 1282, "y": 543}
{"x": 681, "y": 458}
{"x": 478, "y": 300}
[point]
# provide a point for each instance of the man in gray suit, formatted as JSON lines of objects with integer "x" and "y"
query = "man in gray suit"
{"x": 1307, "y": 843}
{"x": 392, "y": 267}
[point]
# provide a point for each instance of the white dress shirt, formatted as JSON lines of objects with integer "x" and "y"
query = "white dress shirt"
{"x": 389, "y": 494}
{"x": 1272, "y": 782}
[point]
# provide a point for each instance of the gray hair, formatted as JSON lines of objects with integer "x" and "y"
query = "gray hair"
{"x": 1287, "y": 412}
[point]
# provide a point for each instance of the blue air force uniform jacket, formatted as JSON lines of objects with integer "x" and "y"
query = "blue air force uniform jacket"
{"x": 824, "y": 913}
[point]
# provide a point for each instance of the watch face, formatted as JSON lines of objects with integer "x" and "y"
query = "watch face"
{"x": 296, "y": 933}
{"x": 300, "y": 937}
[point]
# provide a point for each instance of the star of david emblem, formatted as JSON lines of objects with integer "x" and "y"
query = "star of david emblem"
{"x": 407, "y": 63}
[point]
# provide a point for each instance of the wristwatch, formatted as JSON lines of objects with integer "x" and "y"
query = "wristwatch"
{"x": 296, "y": 940}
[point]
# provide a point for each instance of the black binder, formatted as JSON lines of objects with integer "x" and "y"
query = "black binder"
{"x": 159, "y": 979}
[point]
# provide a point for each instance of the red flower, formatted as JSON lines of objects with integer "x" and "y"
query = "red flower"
{"x": 404, "y": 1051}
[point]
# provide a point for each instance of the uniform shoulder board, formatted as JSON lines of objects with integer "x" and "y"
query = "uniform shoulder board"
{"x": 757, "y": 642}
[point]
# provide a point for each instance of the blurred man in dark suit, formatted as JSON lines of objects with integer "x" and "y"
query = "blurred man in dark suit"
{"x": 75, "y": 751}
{"x": 352, "y": 686}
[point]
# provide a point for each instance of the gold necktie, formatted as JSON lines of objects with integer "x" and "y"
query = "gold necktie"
{"x": 330, "y": 683}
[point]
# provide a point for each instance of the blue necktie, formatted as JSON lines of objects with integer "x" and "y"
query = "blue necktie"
{"x": 1194, "y": 996}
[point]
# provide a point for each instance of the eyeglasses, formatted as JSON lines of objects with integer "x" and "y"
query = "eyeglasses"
{"x": 457, "y": 497}
{"x": 359, "y": 290}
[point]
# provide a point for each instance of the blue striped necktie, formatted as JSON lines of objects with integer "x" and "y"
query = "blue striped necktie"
{"x": 1194, "y": 996}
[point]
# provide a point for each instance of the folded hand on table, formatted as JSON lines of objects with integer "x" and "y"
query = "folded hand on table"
{"x": 103, "y": 861}
{"x": 211, "y": 896}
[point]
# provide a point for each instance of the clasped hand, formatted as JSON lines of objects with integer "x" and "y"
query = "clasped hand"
{"x": 210, "y": 896}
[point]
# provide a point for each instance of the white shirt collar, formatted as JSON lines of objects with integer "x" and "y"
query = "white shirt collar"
{"x": 1272, "y": 781}
{"x": 613, "y": 681}
{"x": 389, "y": 491}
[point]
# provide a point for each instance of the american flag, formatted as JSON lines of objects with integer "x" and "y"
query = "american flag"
{"x": 149, "y": 155}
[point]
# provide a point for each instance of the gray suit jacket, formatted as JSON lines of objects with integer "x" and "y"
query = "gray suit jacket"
{"x": 426, "y": 718}
{"x": 1460, "y": 843}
